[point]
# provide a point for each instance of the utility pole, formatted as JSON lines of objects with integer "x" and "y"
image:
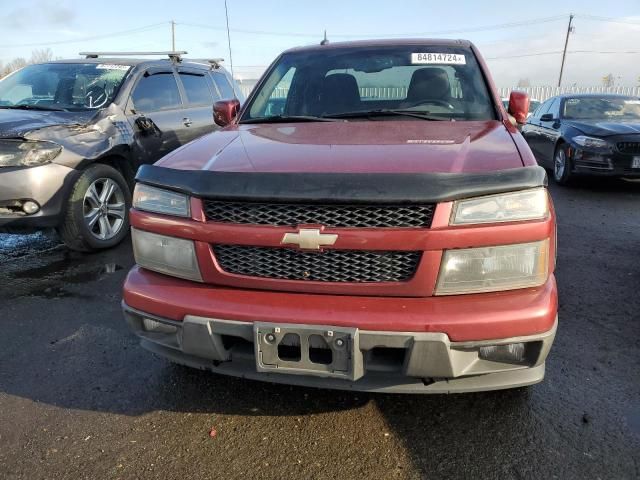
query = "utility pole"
{"x": 564, "y": 52}
{"x": 173, "y": 36}
{"x": 226, "y": 14}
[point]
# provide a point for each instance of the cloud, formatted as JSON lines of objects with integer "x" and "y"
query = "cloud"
{"x": 41, "y": 13}
{"x": 583, "y": 66}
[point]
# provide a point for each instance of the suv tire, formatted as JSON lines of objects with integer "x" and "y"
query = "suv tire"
{"x": 97, "y": 211}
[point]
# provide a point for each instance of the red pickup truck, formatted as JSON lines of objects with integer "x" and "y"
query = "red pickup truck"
{"x": 370, "y": 219}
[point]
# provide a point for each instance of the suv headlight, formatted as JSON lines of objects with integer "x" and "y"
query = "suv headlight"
{"x": 158, "y": 200}
{"x": 505, "y": 207}
{"x": 491, "y": 269}
{"x": 26, "y": 153}
{"x": 592, "y": 142}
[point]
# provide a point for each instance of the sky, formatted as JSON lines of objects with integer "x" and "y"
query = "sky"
{"x": 519, "y": 39}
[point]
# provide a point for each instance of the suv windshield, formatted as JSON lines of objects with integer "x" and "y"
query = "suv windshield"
{"x": 411, "y": 82}
{"x": 62, "y": 86}
{"x": 597, "y": 108}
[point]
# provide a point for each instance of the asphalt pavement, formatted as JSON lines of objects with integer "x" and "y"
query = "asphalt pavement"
{"x": 80, "y": 399}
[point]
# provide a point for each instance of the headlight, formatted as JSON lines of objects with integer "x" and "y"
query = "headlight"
{"x": 157, "y": 200}
{"x": 506, "y": 207}
{"x": 490, "y": 269}
{"x": 591, "y": 142}
{"x": 169, "y": 255}
{"x": 21, "y": 153}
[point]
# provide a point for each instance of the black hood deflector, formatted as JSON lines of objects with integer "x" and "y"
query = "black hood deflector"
{"x": 400, "y": 188}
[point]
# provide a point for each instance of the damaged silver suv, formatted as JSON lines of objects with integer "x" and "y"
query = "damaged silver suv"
{"x": 74, "y": 132}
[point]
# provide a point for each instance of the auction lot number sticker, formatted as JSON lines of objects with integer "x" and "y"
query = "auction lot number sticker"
{"x": 438, "y": 58}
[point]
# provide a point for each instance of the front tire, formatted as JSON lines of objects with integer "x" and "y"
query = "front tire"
{"x": 562, "y": 165}
{"x": 97, "y": 211}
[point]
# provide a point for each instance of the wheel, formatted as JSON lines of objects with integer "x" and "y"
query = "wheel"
{"x": 561, "y": 165}
{"x": 97, "y": 211}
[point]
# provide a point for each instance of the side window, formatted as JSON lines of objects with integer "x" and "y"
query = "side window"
{"x": 554, "y": 109}
{"x": 542, "y": 109}
{"x": 158, "y": 91}
{"x": 196, "y": 88}
{"x": 213, "y": 88}
{"x": 224, "y": 87}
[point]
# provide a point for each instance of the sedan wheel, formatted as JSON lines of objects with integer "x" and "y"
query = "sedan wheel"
{"x": 562, "y": 166}
{"x": 559, "y": 164}
{"x": 104, "y": 208}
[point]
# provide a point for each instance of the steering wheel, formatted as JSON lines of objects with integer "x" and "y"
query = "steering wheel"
{"x": 434, "y": 102}
{"x": 95, "y": 97}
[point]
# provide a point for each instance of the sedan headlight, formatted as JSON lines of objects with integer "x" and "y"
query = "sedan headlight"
{"x": 591, "y": 142}
{"x": 158, "y": 200}
{"x": 506, "y": 207}
{"x": 164, "y": 254}
{"x": 490, "y": 269}
{"x": 24, "y": 153}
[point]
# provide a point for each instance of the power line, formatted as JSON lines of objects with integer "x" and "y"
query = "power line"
{"x": 498, "y": 26}
{"x": 607, "y": 19}
{"x": 571, "y": 52}
{"x": 84, "y": 39}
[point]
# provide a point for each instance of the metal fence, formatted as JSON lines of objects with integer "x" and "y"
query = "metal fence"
{"x": 539, "y": 93}
{"x": 542, "y": 93}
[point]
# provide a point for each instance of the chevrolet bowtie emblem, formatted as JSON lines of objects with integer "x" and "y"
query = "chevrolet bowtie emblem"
{"x": 309, "y": 239}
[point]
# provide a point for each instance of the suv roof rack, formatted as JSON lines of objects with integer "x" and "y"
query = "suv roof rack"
{"x": 175, "y": 56}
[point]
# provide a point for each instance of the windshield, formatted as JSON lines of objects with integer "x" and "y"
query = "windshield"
{"x": 64, "y": 86}
{"x": 599, "y": 108}
{"x": 427, "y": 81}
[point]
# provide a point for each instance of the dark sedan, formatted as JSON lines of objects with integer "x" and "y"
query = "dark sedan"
{"x": 586, "y": 135}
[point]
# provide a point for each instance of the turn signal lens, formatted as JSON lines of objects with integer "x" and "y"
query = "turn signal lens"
{"x": 490, "y": 269}
{"x": 506, "y": 207}
{"x": 168, "y": 255}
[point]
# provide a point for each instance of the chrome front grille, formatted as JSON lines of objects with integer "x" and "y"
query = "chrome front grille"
{"x": 356, "y": 266}
{"x": 337, "y": 216}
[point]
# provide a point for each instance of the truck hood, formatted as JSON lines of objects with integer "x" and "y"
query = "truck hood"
{"x": 17, "y": 123}
{"x": 606, "y": 128}
{"x": 367, "y": 146}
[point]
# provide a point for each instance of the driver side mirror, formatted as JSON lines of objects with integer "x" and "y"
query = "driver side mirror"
{"x": 519, "y": 106}
{"x": 225, "y": 111}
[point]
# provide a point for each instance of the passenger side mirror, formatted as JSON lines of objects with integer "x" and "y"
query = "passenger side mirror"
{"x": 547, "y": 117}
{"x": 225, "y": 111}
{"x": 519, "y": 106}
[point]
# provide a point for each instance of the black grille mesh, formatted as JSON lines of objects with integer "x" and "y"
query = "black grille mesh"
{"x": 326, "y": 266}
{"x": 629, "y": 147}
{"x": 293, "y": 214}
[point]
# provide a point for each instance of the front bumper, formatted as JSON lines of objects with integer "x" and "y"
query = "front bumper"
{"x": 47, "y": 185}
{"x": 614, "y": 164}
{"x": 384, "y": 361}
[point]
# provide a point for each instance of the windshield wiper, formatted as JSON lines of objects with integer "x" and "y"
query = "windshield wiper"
{"x": 289, "y": 118}
{"x": 389, "y": 112}
{"x": 34, "y": 107}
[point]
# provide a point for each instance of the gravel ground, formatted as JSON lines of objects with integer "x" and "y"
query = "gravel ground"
{"x": 79, "y": 398}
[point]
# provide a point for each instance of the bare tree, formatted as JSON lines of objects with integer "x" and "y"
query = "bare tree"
{"x": 41, "y": 55}
{"x": 37, "y": 56}
{"x": 608, "y": 80}
{"x": 524, "y": 82}
{"x": 13, "y": 65}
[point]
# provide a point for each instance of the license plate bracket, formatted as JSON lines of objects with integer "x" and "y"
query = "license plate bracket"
{"x": 317, "y": 350}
